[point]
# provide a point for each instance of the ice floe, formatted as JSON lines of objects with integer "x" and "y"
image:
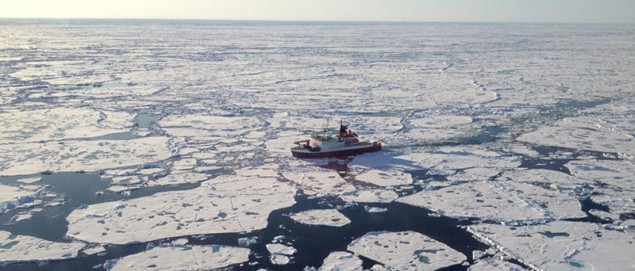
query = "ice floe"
{"x": 446, "y": 159}
{"x": 406, "y": 250}
{"x": 25, "y": 196}
{"x": 61, "y": 124}
{"x": 22, "y": 248}
{"x": 179, "y": 178}
{"x": 329, "y": 217}
{"x": 385, "y": 178}
{"x": 314, "y": 181}
{"x": 614, "y": 181}
{"x": 436, "y": 128}
{"x": 223, "y": 126}
{"x": 489, "y": 264}
{"x": 370, "y": 196}
{"x": 182, "y": 257}
{"x": 29, "y": 180}
{"x": 280, "y": 254}
{"x": 586, "y": 133}
{"x": 340, "y": 261}
{"x": 79, "y": 155}
{"x": 497, "y": 201}
{"x": 550, "y": 178}
{"x": 562, "y": 245}
{"x": 229, "y": 203}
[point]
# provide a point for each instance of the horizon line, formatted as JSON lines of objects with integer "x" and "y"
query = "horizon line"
{"x": 308, "y": 21}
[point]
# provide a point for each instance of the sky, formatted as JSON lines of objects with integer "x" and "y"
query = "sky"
{"x": 548, "y": 11}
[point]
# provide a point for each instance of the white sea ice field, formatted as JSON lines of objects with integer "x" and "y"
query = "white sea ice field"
{"x": 139, "y": 144}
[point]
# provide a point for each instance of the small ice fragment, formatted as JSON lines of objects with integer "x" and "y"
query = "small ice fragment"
{"x": 247, "y": 241}
{"x": 30, "y": 180}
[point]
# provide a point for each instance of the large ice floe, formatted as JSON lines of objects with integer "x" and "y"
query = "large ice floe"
{"x": 497, "y": 201}
{"x": 614, "y": 181}
{"x": 562, "y": 245}
{"x": 80, "y": 155}
{"x": 182, "y": 257}
{"x": 446, "y": 161}
{"x": 72, "y": 139}
{"x": 61, "y": 124}
{"x": 229, "y": 203}
{"x": 22, "y": 248}
{"x": 406, "y": 250}
{"x": 587, "y": 133}
{"x": 328, "y": 217}
{"x": 322, "y": 182}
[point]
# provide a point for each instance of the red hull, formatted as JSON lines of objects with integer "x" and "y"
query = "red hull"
{"x": 342, "y": 153}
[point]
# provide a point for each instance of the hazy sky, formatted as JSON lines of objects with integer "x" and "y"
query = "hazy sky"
{"x": 584, "y": 11}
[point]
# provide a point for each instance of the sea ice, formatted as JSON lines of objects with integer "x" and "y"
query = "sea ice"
{"x": 370, "y": 196}
{"x": 562, "y": 245}
{"x": 384, "y": 178}
{"x": 179, "y": 178}
{"x": 29, "y": 180}
{"x": 22, "y": 248}
{"x": 497, "y": 201}
{"x": 224, "y": 126}
{"x": 618, "y": 173}
{"x": 60, "y": 124}
{"x": 586, "y": 133}
{"x": 329, "y": 217}
{"x": 229, "y": 203}
{"x": 614, "y": 179}
{"x": 341, "y": 261}
{"x": 182, "y": 257}
{"x": 440, "y": 127}
{"x": 280, "y": 254}
{"x": 489, "y": 264}
{"x": 23, "y": 196}
{"x": 80, "y": 155}
{"x": 552, "y": 178}
{"x": 96, "y": 249}
{"x": 406, "y": 250}
{"x": 319, "y": 182}
{"x": 448, "y": 159}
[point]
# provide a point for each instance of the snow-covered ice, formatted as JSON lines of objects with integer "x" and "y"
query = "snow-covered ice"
{"x": 228, "y": 203}
{"x": 80, "y": 155}
{"x": 586, "y": 133}
{"x": 22, "y": 248}
{"x": 179, "y": 178}
{"x": 489, "y": 264}
{"x": 384, "y": 178}
{"x": 406, "y": 250}
{"x": 614, "y": 179}
{"x": 280, "y": 254}
{"x": 319, "y": 182}
{"x": 562, "y": 245}
{"x": 340, "y": 261}
{"x": 497, "y": 201}
{"x": 516, "y": 124}
{"x": 24, "y": 196}
{"x": 329, "y": 217}
{"x": 182, "y": 257}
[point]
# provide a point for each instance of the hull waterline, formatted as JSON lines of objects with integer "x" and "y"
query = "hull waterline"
{"x": 303, "y": 153}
